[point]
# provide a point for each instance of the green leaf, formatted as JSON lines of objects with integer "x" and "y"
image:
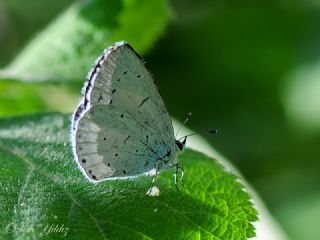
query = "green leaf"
{"x": 26, "y": 98}
{"x": 41, "y": 188}
{"x": 66, "y": 49}
{"x": 19, "y": 23}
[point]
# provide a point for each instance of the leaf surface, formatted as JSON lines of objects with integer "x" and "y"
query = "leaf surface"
{"x": 41, "y": 188}
{"x": 64, "y": 50}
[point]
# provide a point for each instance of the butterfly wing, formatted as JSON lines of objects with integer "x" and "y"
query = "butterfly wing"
{"x": 122, "y": 127}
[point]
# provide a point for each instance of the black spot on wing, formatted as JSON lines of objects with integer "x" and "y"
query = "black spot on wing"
{"x": 125, "y": 140}
{"x": 143, "y": 101}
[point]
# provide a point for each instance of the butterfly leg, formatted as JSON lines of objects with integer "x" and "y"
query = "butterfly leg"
{"x": 154, "y": 179}
{"x": 182, "y": 175}
{"x": 175, "y": 175}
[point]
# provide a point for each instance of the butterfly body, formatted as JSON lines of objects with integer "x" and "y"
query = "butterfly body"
{"x": 121, "y": 128}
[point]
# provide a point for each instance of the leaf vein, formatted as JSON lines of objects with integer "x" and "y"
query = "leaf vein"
{"x": 71, "y": 196}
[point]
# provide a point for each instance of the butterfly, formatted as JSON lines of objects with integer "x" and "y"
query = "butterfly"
{"x": 121, "y": 128}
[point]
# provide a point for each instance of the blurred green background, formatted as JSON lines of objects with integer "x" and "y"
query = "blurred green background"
{"x": 249, "y": 69}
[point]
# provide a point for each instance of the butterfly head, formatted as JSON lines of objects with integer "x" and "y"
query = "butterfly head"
{"x": 181, "y": 144}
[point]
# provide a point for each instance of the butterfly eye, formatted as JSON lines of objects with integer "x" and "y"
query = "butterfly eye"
{"x": 179, "y": 145}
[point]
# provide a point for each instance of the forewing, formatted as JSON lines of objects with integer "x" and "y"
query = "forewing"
{"x": 121, "y": 90}
{"x": 121, "y": 79}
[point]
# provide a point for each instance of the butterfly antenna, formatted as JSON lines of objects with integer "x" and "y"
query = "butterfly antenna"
{"x": 213, "y": 131}
{"x": 184, "y": 123}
